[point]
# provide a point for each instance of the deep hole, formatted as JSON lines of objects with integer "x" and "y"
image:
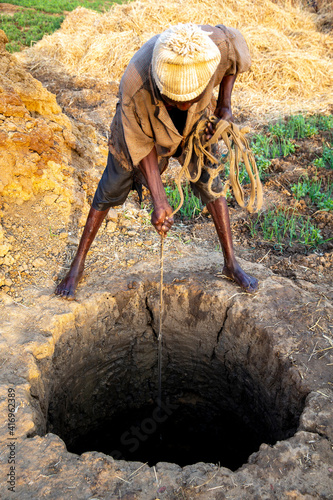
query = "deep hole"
{"x": 185, "y": 429}
{"x": 219, "y": 402}
{"x": 177, "y": 433}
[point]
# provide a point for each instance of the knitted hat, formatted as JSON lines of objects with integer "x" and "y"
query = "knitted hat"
{"x": 184, "y": 60}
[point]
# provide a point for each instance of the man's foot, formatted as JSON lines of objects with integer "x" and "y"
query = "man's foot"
{"x": 67, "y": 287}
{"x": 245, "y": 281}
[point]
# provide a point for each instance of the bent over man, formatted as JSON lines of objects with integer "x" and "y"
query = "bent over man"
{"x": 166, "y": 89}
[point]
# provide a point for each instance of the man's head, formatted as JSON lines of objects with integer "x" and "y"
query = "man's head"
{"x": 184, "y": 61}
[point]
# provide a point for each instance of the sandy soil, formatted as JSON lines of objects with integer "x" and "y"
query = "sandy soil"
{"x": 44, "y": 242}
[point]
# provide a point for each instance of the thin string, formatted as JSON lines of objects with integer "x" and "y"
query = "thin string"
{"x": 159, "y": 338}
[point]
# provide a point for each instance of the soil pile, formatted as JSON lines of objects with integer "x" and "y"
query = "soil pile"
{"x": 41, "y": 148}
{"x": 45, "y": 157}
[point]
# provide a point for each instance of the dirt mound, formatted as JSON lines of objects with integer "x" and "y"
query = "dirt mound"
{"x": 40, "y": 147}
{"x": 45, "y": 157}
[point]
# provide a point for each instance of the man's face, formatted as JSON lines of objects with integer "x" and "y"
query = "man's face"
{"x": 182, "y": 105}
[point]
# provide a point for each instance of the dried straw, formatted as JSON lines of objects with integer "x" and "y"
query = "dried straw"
{"x": 292, "y": 65}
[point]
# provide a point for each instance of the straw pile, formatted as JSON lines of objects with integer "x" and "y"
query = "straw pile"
{"x": 325, "y": 15}
{"x": 292, "y": 65}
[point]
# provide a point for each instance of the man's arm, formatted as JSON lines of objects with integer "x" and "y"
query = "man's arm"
{"x": 223, "y": 107}
{"x": 161, "y": 217}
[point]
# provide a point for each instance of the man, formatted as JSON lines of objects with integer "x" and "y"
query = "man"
{"x": 166, "y": 88}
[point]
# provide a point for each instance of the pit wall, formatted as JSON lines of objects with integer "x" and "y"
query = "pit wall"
{"x": 108, "y": 363}
{"x": 216, "y": 343}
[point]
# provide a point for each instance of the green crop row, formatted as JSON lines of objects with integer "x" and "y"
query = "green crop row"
{"x": 283, "y": 227}
{"x": 312, "y": 188}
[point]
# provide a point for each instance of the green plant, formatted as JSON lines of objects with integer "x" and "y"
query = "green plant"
{"x": 327, "y": 159}
{"x": 296, "y": 127}
{"x": 284, "y": 227}
{"x": 287, "y": 147}
{"x": 312, "y": 188}
{"x": 260, "y": 144}
{"x": 24, "y": 28}
{"x": 322, "y": 122}
{"x": 191, "y": 207}
{"x": 271, "y": 147}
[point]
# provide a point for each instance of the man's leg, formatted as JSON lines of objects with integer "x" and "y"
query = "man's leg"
{"x": 112, "y": 190}
{"x": 220, "y": 214}
{"x": 68, "y": 285}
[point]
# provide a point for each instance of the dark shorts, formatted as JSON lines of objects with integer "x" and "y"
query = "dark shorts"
{"x": 114, "y": 186}
{"x": 116, "y": 183}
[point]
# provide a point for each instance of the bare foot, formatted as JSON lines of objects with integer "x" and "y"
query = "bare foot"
{"x": 245, "y": 281}
{"x": 67, "y": 287}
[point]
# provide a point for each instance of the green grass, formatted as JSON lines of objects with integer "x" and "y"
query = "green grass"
{"x": 191, "y": 207}
{"x": 312, "y": 188}
{"x": 59, "y": 6}
{"x": 27, "y": 27}
{"x": 284, "y": 228}
{"x": 38, "y": 18}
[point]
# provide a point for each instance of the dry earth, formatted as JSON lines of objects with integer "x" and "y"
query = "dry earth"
{"x": 270, "y": 356}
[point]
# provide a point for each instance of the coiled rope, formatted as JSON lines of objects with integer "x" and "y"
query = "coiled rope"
{"x": 238, "y": 149}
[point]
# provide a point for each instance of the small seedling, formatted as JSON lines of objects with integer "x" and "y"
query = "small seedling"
{"x": 191, "y": 207}
{"x": 313, "y": 189}
{"x": 283, "y": 227}
{"x": 326, "y": 160}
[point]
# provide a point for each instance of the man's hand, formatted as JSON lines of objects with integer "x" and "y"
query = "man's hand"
{"x": 224, "y": 113}
{"x": 223, "y": 107}
{"x": 162, "y": 219}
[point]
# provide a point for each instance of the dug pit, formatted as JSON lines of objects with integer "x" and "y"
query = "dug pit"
{"x": 225, "y": 389}
{"x": 244, "y": 413}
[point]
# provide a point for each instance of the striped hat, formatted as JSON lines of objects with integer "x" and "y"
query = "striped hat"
{"x": 184, "y": 60}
